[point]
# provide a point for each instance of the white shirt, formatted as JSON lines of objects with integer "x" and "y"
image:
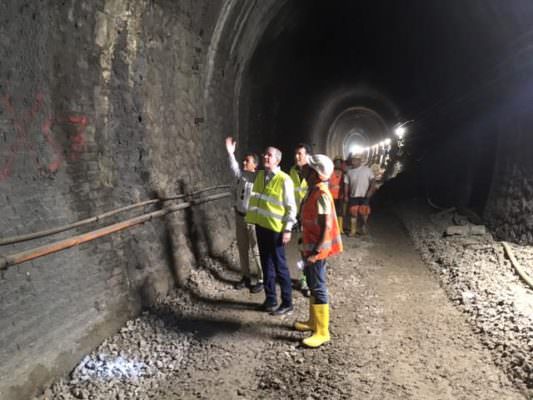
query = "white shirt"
{"x": 359, "y": 180}
{"x": 243, "y": 187}
{"x": 289, "y": 201}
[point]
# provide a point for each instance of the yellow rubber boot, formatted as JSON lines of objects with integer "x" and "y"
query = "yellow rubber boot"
{"x": 340, "y": 221}
{"x": 308, "y": 325}
{"x": 353, "y": 226}
{"x": 321, "y": 335}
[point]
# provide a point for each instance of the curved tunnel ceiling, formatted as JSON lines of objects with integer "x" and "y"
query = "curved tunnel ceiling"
{"x": 418, "y": 60}
{"x": 354, "y": 130}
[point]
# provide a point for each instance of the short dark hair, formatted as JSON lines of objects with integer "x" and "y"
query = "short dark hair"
{"x": 304, "y": 146}
{"x": 254, "y": 156}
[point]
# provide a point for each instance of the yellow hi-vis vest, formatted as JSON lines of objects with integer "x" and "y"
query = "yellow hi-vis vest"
{"x": 266, "y": 207}
{"x": 300, "y": 186}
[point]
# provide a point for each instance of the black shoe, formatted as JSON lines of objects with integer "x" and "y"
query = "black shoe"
{"x": 243, "y": 283}
{"x": 306, "y": 292}
{"x": 268, "y": 307}
{"x": 258, "y": 287}
{"x": 281, "y": 310}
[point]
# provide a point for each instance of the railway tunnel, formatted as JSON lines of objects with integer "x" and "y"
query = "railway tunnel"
{"x": 112, "y": 103}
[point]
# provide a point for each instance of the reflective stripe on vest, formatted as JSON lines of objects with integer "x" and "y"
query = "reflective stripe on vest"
{"x": 335, "y": 183}
{"x": 311, "y": 229}
{"x": 267, "y": 198}
{"x": 266, "y": 207}
{"x": 325, "y": 246}
{"x": 300, "y": 186}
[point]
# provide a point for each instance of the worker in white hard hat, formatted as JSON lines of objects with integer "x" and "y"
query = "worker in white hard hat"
{"x": 320, "y": 240}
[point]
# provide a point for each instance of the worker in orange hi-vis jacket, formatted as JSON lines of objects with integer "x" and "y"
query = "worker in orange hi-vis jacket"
{"x": 336, "y": 187}
{"x": 320, "y": 239}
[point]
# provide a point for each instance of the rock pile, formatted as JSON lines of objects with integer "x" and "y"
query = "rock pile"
{"x": 128, "y": 365}
{"x": 481, "y": 281}
{"x": 149, "y": 351}
{"x": 105, "y": 368}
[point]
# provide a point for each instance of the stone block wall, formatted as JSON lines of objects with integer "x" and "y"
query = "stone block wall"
{"x": 103, "y": 104}
{"x": 510, "y": 204}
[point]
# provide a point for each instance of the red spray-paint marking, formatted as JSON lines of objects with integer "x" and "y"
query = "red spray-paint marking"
{"x": 22, "y": 124}
{"x": 77, "y": 142}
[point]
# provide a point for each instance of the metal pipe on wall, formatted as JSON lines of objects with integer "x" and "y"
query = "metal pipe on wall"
{"x": 53, "y": 231}
{"x": 41, "y": 251}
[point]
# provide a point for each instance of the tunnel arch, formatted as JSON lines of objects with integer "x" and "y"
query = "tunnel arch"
{"x": 105, "y": 102}
{"x": 355, "y": 126}
{"x": 240, "y": 26}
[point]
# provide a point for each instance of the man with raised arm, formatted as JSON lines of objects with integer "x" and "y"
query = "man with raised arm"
{"x": 245, "y": 232}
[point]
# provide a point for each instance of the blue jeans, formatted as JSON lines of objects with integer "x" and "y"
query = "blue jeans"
{"x": 272, "y": 254}
{"x": 316, "y": 280}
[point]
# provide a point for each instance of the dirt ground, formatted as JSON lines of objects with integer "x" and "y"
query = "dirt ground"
{"x": 395, "y": 335}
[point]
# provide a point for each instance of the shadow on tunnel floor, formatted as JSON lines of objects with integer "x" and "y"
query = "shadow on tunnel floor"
{"x": 203, "y": 327}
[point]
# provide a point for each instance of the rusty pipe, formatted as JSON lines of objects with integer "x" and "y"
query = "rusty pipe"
{"x": 48, "y": 232}
{"x": 53, "y": 231}
{"x": 41, "y": 251}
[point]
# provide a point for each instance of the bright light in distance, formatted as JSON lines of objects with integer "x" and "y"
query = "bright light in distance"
{"x": 400, "y": 132}
{"x": 356, "y": 149}
{"x": 387, "y": 142}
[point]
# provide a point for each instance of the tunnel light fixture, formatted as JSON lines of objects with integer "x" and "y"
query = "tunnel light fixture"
{"x": 387, "y": 141}
{"x": 400, "y": 132}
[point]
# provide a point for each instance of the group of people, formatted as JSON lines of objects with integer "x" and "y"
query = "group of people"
{"x": 271, "y": 206}
{"x": 352, "y": 185}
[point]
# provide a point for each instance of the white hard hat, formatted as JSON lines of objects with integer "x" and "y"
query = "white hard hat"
{"x": 322, "y": 164}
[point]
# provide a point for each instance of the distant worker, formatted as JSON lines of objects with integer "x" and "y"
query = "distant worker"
{"x": 358, "y": 187}
{"x": 272, "y": 209}
{"x": 301, "y": 152}
{"x": 336, "y": 187}
{"x": 245, "y": 232}
{"x": 321, "y": 239}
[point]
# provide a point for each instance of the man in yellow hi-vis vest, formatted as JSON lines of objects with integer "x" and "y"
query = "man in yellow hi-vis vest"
{"x": 301, "y": 152}
{"x": 272, "y": 209}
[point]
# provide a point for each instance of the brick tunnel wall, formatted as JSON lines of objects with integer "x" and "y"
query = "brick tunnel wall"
{"x": 510, "y": 204}
{"x": 102, "y": 104}
{"x": 484, "y": 162}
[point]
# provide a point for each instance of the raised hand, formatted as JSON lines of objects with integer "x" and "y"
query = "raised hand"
{"x": 230, "y": 145}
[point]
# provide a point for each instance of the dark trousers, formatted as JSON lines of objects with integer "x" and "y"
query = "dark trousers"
{"x": 272, "y": 254}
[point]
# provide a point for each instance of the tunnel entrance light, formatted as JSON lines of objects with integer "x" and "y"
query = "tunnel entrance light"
{"x": 356, "y": 149}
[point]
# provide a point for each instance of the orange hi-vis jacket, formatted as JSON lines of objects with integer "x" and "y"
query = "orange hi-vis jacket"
{"x": 311, "y": 229}
{"x": 335, "y": 184}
